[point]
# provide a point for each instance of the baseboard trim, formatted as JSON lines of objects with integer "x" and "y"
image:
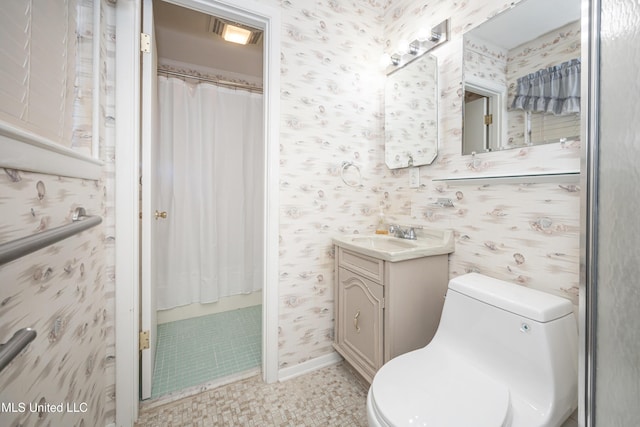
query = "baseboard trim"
{"x": 311, "y": 365}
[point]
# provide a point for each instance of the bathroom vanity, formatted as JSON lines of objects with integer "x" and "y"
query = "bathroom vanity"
{"x": 389, "y": 294}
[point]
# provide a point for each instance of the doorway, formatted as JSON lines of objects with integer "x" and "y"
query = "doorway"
{"x": 202, "y": 171}
{"x": 128, "y": 125}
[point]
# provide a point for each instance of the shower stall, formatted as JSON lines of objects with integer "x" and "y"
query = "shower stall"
{"x": 209, "y": 246}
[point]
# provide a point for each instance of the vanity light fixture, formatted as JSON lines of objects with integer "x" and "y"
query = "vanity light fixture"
{"x": 425, "y": 41}
{"x": 435, "y": 37}
{"x": 414, "y": 47}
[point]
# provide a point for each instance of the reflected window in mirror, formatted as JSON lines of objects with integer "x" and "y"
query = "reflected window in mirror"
{"x": 548, "y": 101}
{"x": 516, "y": 62}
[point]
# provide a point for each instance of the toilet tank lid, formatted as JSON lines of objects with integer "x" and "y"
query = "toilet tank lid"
{"x": 530, "y": 303}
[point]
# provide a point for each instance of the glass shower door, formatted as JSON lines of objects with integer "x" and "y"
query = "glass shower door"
{"x": 613, "y": 354}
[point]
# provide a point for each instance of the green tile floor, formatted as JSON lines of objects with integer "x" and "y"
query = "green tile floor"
{"x": 201, "y": 349}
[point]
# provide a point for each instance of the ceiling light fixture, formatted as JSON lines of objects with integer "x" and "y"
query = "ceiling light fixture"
{"x": 235, "y": 34}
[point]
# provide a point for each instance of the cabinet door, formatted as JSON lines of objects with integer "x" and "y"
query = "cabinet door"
{"x": 360, "y": 316}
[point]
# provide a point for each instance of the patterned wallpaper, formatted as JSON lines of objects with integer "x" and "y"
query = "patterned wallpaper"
{"x": 58, "y": 291}
{"x": 485, "y": 61}
{"x": 107, "y": 155}
{"x": 64, "y": 291}
{"x": 524, "y": 233}
{"x": 332, "y": 111}
{"x": 331, "y": 98}
{"x": 169, "y": 65}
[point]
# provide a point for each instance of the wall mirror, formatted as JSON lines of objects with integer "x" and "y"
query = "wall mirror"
{"x": 521, "y": 77}
{"x": 411, "y": 113}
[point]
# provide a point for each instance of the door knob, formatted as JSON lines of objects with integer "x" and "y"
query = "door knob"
{"x": 162, "y": 214}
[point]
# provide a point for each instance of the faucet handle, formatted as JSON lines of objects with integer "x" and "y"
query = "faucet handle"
{"x": 411, "y": 233}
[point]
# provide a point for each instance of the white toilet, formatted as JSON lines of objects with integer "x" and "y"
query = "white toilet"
{"x": 503, "y": 355}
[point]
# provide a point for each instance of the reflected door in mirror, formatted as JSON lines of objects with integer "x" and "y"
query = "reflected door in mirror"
{"x": 476, "y": 129}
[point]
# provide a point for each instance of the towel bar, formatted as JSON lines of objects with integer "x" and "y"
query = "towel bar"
{"x": 20, "y": 247}
{"x": 14, "y": 346}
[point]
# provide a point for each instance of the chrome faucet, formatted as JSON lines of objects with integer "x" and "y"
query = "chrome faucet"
{"x": 403, "y": 233}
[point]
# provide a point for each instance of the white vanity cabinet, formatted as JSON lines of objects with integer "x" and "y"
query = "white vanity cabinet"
{"x": 383, "y": 308}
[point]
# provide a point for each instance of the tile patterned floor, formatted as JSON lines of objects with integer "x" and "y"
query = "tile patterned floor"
{"x": 201, "y": 349}
{"x": 332, "y": 396}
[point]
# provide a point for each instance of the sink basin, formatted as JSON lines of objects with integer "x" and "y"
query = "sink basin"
{"x": 394, "y": 249}
{"x": 383, "y": 243}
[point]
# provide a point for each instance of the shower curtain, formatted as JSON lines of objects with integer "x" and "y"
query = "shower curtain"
{"x": 210, "y": 171}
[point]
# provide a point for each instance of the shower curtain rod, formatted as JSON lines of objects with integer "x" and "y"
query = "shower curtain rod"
{"x": 218, "y": 82}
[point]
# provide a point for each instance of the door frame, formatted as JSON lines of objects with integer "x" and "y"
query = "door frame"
{"x": 589, "y": 183}
{"x": 127, "y": 134}
{"x": 149, "y": 226}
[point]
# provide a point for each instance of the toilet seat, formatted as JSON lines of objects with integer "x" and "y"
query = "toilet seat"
{"x": 435, "y": 387}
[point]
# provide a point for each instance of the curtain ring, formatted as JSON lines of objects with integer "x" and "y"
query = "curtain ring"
{"x": 358, "y": 182}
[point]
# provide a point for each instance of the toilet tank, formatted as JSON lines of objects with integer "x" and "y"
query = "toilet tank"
{"x": 525, "y": 338}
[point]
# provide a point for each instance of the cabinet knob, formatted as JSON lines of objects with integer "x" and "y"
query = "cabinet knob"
{"x": 355, "y": 321}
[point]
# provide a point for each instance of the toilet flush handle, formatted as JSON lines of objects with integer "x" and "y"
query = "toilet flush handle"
{"x": 355, "y": 321}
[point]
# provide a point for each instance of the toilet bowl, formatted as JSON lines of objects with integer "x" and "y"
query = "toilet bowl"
{"x": 436, "y": 401}
{"x": 503, "y": 355}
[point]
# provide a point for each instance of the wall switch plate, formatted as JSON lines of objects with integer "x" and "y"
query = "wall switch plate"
{"x": 414, "y": 177}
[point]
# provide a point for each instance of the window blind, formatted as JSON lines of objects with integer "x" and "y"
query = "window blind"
{"x": 551, "y": 128}
{"x": 37, "y": 66}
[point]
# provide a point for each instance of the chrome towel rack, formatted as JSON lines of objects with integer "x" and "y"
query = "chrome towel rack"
{"x": 15, "y": 345}
{"x": 20, "y": 247}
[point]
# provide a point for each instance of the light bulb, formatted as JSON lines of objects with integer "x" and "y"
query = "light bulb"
{"x": 423, "y": 34}
{"x": 385, "y": 60}
{"x": 403, "y": 46}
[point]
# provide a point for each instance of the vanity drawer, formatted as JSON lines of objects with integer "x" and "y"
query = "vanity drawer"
{"x": 372, "y": 268}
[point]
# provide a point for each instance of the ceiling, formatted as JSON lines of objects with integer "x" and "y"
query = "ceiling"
{"x": 528, "y": 20}
{"x": 183, "y": 35}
